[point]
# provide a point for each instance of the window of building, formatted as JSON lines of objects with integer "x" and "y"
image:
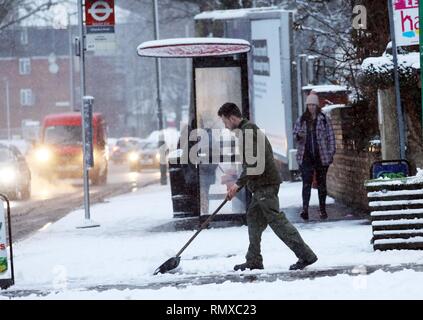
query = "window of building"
{"x": 24, "y": 66}
{"x": 24, "y": 36}
{"x": 27, "y": 98}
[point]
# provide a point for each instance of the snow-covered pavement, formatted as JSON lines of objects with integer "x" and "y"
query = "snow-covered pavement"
{"x": 127, "y": 248}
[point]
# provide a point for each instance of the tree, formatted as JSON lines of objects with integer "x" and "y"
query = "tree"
{"x": 15, "y": 11}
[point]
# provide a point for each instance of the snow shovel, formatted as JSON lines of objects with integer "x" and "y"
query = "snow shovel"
{"x": 173, "y": 262}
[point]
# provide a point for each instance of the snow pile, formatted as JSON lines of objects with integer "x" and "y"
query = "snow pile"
{"x": 385, "y": 63}
{"x": 378, "y": 71}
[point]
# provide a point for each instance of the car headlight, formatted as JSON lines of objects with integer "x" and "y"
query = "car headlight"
{"x": 43, "y": 155}
{"x": 133, "y": 157}
{"x": 8, "y": 175}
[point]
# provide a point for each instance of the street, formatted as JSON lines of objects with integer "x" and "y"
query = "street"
{"x": 51, "y": 202}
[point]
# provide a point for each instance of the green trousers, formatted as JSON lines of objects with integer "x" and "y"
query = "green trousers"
{"x": 264, "y": 211}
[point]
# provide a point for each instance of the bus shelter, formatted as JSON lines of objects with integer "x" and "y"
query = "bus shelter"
{"x": 206, "y": 161}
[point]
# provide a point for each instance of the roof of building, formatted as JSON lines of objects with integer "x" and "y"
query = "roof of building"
{"x": 41, "y": 42}
{"x": 235, "y": 13}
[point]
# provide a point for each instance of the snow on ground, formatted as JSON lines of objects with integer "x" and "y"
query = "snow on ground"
{"x": 127, "y": 248}
{"x": 341, "y": 287}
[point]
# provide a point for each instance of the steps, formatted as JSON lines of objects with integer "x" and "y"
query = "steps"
{"x": 396, "y": 213}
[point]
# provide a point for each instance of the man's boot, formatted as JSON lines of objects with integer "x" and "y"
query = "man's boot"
{"x": 248, "y": 265}
{"x": 301, "y": 264}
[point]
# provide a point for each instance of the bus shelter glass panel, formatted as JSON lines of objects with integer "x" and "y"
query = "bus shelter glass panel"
{"x": 218, "y": 169}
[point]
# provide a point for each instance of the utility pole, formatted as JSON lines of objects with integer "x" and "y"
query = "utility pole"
{"x": 71, "y": 66}
{"x": 397, "y": 83}
{"x": 163, "y": 166}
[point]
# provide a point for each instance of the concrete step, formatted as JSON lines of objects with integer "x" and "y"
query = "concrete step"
{"x": 396, "y": 205}
{"x": 397, "y": 234}
{"x": 402, "y": 224}
{"x": 396, "y": 214}
{"x": 413, "y": 243}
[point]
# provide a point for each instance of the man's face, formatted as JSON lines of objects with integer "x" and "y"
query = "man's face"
{"x": 228, "y": 122}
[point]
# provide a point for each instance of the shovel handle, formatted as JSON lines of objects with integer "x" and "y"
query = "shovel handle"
{"x": 205, "y": 223}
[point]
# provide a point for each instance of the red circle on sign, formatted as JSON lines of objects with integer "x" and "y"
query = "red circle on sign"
{"x": 100, "y": 12}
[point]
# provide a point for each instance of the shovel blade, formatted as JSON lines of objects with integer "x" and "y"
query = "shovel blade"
{"x": 170, "y": 264}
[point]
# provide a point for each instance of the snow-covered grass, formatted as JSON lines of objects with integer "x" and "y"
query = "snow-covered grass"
{"x": 127, "y": 248}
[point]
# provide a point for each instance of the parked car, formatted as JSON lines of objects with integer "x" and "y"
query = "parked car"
{"x": 123, "y": 147}
{"x": 58, "y": 154}
{"x": 15, "y": 176}
{"x": 146, "y": 157}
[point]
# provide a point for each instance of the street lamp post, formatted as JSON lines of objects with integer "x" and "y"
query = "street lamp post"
{"x": 163, "y": 170}
{"x": 71, "y": 66}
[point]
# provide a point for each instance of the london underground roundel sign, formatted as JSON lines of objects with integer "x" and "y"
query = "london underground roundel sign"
{"x": 100, "y": 12}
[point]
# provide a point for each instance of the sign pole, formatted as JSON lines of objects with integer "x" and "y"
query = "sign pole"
{"x": 421, "y": 59}
{"x": 397, "y": 83}
{"x": 84, "y": 105}
{"x": 163, "y": 169}
{"x": 6, "y": 283}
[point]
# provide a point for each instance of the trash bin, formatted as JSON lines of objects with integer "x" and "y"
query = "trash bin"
{"x": 184, "y": 187}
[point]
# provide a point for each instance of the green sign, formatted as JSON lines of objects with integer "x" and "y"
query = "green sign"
{"x": 3, "y": 246}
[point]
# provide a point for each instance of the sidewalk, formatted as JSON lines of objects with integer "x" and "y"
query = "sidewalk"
{"x": 118, "y": 259}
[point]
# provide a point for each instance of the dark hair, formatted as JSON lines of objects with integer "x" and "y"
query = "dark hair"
{"x": 307, "y": 117}
{"x": 229, "y": 109}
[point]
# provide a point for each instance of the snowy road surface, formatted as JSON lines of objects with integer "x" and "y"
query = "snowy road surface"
{"x": 116, "y": 261}
{"x": 51, "y": 201}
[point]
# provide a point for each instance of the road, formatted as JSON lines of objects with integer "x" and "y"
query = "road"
{"x": 50, "y": 202}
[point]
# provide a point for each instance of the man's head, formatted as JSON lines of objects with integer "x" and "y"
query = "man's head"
{"x": 230, "y": 115}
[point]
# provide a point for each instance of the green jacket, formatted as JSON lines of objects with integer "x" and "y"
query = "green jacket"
{"x": 270, "y": 175}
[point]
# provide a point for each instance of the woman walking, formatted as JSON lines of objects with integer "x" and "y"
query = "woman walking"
{"x": 316, "y": 147}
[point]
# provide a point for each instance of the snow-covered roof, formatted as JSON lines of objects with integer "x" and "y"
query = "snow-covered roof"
{"x": 192, "y": 47}
{"x": 325, "y": 88}
{"x": 234, "y": 14}
{"x": 384, "y": 63}
{"x": 329, "y": 108}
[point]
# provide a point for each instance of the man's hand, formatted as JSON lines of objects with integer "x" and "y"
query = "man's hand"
{"x": 232, "y": 192}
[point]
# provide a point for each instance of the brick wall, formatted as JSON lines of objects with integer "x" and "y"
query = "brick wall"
{"x": 351, "y": 167}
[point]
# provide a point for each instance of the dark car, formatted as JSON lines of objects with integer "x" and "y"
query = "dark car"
{"x": 15, "y": 176}
{"x": 123, "y": 147}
